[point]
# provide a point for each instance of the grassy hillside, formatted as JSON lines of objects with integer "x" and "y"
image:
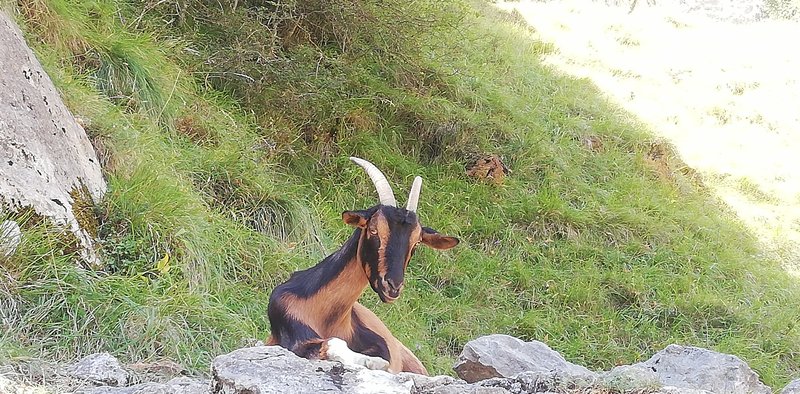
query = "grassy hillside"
{"x": 224, "y": 132}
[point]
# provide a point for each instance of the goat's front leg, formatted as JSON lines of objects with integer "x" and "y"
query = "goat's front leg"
{"x": 315, "y": 348}
{"x": 337, "y": 350}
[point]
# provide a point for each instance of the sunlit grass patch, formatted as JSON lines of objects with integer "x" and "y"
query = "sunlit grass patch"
{"x": 716, "y": 110}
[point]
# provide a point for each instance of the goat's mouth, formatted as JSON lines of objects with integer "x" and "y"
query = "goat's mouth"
{"x": 388, "y": 299}
{"x": 387, "y": 294}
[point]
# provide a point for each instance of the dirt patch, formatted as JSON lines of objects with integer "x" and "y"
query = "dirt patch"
{"x": 193, "y": 129}
{"x": 489, "y": 168}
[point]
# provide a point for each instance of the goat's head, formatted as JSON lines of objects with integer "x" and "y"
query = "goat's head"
{"x": 389, "y": 235}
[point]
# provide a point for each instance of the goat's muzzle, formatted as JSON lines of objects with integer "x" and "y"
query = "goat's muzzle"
{"x": 389, "y": 290}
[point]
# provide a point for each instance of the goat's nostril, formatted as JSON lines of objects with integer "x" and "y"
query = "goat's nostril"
{"x": 394, "y": 285}
{"x": 390, "y": 284}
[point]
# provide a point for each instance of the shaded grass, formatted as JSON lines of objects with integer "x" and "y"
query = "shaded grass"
{"x": 607, "y": 255}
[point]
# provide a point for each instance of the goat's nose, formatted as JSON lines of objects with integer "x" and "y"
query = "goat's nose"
{"x": 392, "y": 285}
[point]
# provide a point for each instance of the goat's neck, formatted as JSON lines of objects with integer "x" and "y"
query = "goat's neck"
{"x": 344, "y": 278}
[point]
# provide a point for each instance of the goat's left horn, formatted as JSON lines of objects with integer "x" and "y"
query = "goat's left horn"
{"x": 385, "y": 193}
{"x": 413, "y": 196}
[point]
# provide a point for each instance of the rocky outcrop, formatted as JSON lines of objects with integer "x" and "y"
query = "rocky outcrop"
{"x": 47, "y": 163}
{"x": 272, "y": 369}
{"x": 531, "y": 367}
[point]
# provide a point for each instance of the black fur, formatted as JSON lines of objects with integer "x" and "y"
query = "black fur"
{"x": 290, "y": 333}
{"x": 366, "y": 341}
{"x": 306, "y": 283}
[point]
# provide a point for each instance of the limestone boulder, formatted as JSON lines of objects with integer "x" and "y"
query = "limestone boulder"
{"x": 792, "y": 388}
{"x": 498, "y": 355}
{"x": 101, "y": 369}
{"x": 631, "y": 377}
{"x": 182, "y": 385}
{"x": 273, "y": 369}
{"x": 702, "y": 369}
{"x": 47, "y": 162}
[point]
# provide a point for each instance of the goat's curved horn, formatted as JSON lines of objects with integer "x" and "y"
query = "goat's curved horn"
{"x": 385, "y": 192}
{"x": 413, "y": 196}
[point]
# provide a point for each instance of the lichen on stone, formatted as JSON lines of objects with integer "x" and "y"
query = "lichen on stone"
{"x": 83, "y": 207}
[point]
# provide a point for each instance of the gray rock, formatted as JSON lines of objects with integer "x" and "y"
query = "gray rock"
{"x": 543, "y": 382}
{"x": 182, "y": 385}
{"x": 273, "y": 369}
{"x": 10, "y": 237}
{"x": 505, "y": 356}
{"x": 367, "y": 381}
{"x": 792, "y": 388}
{"x": 630, "y": 377}
{"x": 8, "y": 386}
{"x": 46, "y": 156}
{"x": 100, "y": 368}
{"x": 680, "y": 390}
{"x": 429, "y": 384}
{"x": 467, "y": 389}
{"x": 696, "y": 368}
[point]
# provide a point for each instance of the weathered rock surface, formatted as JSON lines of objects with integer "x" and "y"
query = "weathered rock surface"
{"x": 505, "y": 356}
{"x": 47, "y": 158}
{"x": 696, "y": 368}
{"x": 792, "y": 388}
{"x": 631, "y": 377}
{"x": 272, "y": 369}
{"x": 467, "y": 389}
{"x": 182, "y": 385}
{"x": 100, "y": 368}
{"x": 8, "y": 386}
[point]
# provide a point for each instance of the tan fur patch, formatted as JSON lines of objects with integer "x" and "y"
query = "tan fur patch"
{"x": 334, "y": 299}
{"x": 416, "y": 236}
{"x": 323, "y": 350}
{"x": 382, "y": 225}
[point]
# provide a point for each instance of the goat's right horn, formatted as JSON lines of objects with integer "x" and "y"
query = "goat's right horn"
{"x": 385, "y": 193}
{"x": 413, "y": 196}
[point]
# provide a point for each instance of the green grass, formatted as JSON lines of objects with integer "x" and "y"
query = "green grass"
{"x": 225, "y": 133}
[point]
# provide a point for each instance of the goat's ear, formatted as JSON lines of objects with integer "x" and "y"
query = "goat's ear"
{"x": 435, "y": 240}
{"x": 356, "y": 218}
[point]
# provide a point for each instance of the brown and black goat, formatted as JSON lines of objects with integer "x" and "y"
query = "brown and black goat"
{"x": 316, "y": 313}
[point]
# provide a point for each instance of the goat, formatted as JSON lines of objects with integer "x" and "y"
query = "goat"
{"x": 315, "y": 313}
